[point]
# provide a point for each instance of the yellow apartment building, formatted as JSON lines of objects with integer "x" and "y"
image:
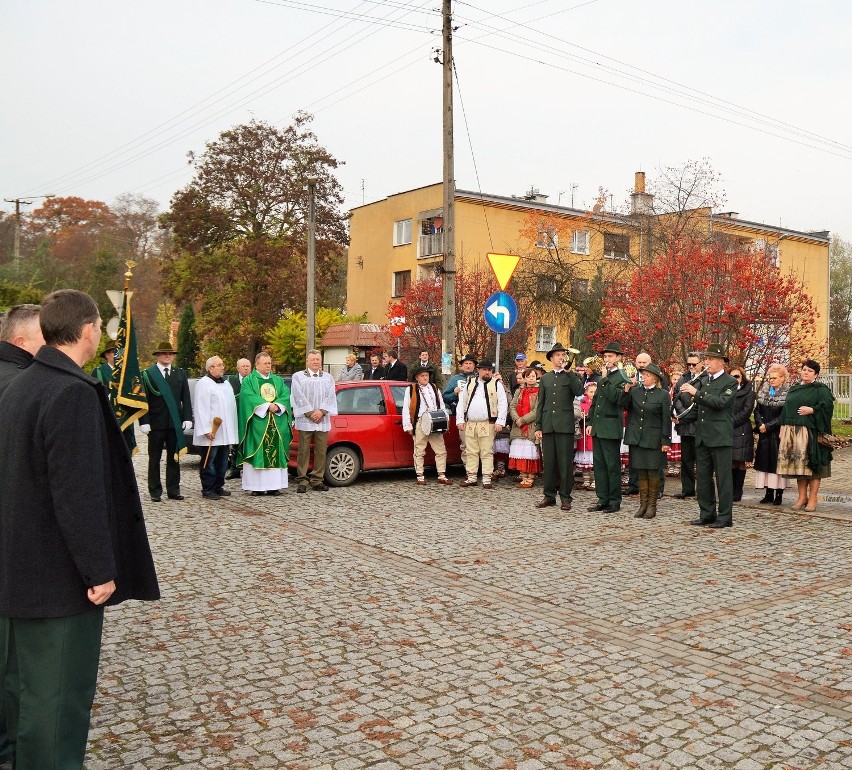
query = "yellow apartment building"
{"x": 399, "y": 240}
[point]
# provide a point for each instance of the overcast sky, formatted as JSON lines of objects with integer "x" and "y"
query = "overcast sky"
{"x": 102, "y": 97}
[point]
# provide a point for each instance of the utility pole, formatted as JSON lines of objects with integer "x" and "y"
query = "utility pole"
{"x": 448, "y": 330}
{"x": 311, "y": 314}
{"x": 28, "y": 201}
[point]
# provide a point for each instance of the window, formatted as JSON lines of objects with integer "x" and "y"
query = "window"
{"x": 402, "y": 232}
{"x": 545, "y": 286}
{"x": 579, "y": 287}
{"x": 580, "y": 242}
{"x": 366, "y": 400}
{"x": 401, "y": 282}
{"x": 547, "y": 238}
{"x": 772, "y": 254}
{"x": 616, "y": 246}
{"x": 398, "y": 395}
{"x": 545, "y": 338}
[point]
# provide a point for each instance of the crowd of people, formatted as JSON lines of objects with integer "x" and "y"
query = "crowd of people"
{"x": 621, "y": 434}
{"x": 72, "y": 531}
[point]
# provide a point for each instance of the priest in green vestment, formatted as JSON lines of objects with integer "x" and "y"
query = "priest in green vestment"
{"x": 265, "y": 429}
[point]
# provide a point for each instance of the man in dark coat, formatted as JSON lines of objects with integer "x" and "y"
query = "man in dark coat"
{"x": 685, "y": 426}
{"x": 554, "y": 420}
{"x": 605, "y": 424}
{"x": 423, "y": 364}
{"x": 714, "y": 440}
{"x": 375, "y": 371}
{"x": 169, "y": 415}
{"x": 72, "y": 536}
{"x": 394, "y": 368}
{"x": 20, "y": 339}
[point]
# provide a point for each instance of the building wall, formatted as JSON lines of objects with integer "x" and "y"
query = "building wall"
{"x": 496, "y": 226}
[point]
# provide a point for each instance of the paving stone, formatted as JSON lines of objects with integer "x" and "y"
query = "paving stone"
{"x": 386, "y": 626}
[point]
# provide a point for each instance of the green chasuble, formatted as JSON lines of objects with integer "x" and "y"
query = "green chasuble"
{"x": 264, "y": 441}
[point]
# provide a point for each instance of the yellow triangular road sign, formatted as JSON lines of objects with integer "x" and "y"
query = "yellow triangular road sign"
{"x": 503, "y": 266}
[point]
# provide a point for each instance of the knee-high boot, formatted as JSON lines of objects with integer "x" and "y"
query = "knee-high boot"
{"x": 644, "y": 501}
{"x": 653, "y": 488}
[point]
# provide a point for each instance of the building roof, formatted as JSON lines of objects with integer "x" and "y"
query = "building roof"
{"x": 504, "y": 201}
{"x": 355, "y": 335}
{"x": 822, "y": 236}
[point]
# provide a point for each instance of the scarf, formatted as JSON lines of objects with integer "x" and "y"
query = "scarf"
{"x": 777, "y": 399}
{"x": 524, "y": 406}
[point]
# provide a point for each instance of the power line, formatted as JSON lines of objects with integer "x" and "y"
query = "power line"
{"x": 662, "y": 99}
{"x": 665, "y": 84}
{"x": 328, "y": 53}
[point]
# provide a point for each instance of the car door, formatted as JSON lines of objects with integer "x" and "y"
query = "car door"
{"x": 403, "y": 444}
{"x": 363, "y": 419}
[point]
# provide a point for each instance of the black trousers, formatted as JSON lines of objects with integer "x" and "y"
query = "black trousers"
{"x": 687, "y": 465}
{"x": 557, "y": 455}
{"x": 715, "y": 463}
{"x": 157, "y": 440}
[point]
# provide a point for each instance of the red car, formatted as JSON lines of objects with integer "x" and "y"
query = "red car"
{"x": 366, "y": 434}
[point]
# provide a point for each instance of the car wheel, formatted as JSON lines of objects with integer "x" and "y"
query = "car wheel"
{"x": 342, "y": 466}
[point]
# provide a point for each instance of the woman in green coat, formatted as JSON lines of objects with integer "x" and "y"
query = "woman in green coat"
{"x": 806, "y": 415}
{"x": 648, "y": 434}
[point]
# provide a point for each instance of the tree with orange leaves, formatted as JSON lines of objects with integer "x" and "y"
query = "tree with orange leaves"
{"x": 697, "y": 293}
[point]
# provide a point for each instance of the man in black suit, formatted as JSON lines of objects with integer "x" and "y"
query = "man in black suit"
{"x": 394, "y": 368}
{"x": 375, "y": 371}
{"x": 236, "y": 381}
{"x": 169, "y": 415}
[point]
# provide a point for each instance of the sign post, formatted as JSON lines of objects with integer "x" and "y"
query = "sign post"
{"x": 501, "y": 310}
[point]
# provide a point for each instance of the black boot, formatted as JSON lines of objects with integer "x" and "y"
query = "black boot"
{"x": 767, "y": 498}
{"x": 779, "y": 493}
{"x": 739, "y": 480}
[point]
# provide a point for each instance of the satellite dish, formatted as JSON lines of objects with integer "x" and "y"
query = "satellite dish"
{"x": 112, "y": 327}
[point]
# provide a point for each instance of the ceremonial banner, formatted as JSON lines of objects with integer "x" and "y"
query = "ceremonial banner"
{"x": 129, "y": 400}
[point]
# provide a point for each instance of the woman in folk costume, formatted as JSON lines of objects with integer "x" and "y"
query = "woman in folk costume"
{"x": 524, "y": 452}
{"x": 265, "y": 429}
{"x": 583, "y": 455}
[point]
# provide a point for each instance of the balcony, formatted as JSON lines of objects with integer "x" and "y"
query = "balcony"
{"x": 431, "y": 246}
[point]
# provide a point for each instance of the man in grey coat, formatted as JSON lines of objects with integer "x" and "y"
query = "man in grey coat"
{"x": 72, "y": 536}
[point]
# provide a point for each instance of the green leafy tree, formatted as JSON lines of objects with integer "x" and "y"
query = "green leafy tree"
{"x": 187, "y": 357}
{"x": 288, "y": 339}
{"x": 239, "y": 232}
{"x": 15, "y": 294}
{"x": 840, "y": 307}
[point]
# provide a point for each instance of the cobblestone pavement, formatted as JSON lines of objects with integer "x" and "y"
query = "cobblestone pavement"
{"x": 394, "y": 626}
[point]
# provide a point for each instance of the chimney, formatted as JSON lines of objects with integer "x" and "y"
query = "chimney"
{"x": 640, "y": 201}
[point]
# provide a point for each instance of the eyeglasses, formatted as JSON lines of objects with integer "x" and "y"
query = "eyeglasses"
{"x": 692, "y": 363}
{"x": 738, "y": 376}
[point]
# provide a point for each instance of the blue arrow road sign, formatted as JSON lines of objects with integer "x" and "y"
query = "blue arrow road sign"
{"x": 501, "y": 312}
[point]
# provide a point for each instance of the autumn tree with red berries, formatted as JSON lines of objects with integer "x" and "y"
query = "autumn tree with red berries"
{"x": 697, "y": 293}
{"x": 422, "y": 305}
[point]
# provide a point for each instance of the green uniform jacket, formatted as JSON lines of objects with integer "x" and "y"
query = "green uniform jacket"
{"x": 649, "y": 423}
{"x": 714, "y": 408}
{"x": 607, "y": 409}
{"x": 554, "y": 411}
